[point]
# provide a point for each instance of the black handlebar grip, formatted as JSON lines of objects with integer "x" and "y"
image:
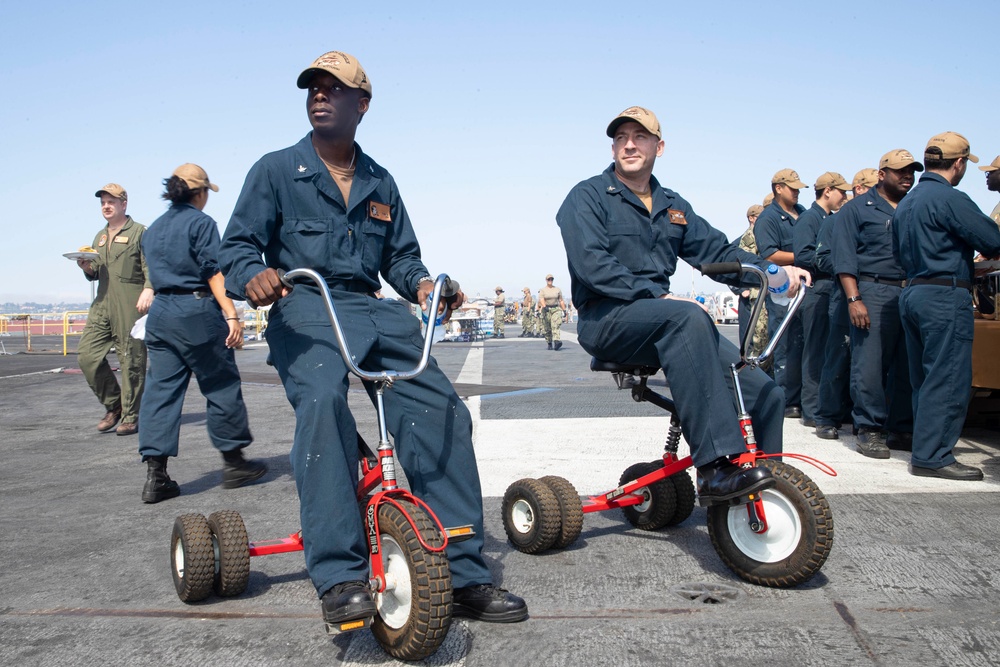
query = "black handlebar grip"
{"x": 450, "y": 291}
{"x": 721, "y": 268}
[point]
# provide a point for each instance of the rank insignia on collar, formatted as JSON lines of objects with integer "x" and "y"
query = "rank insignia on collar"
{"x": 302, "y": 169}
{"x": 612, "y": 188}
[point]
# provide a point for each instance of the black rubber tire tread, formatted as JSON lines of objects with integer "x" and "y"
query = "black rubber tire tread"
{"x": 663, "y": 498}
{"x": 545, "y": 511}
{"x": 684, "y": 492}
{"x": 191, "y": 531}
{"x": 233, "y": 546}
{"x": 430, "y": 585}
{"x": 813, "y": 549}
{"x": 570, "y": 510}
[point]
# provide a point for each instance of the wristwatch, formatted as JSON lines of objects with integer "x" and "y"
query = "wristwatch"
{"x": 852, "y": 299}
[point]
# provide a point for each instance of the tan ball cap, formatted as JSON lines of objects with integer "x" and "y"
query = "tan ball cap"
{"x": 951, "y": 145}
{"x": 832, "y": 179}
{"x": 756, "y": 209}
{"x": 114, "y": 190}
{"x": 342, "y": 65}
{"x": 867, "y": 177}
{"x": 644, "y": 117}
{"x": 768, "y": 198}
{"x": 992, "y": 166}
{"x": 498, "y": 289}
{"x": 550, "y": 277}
{"x": 194, "y": 177}
{"x": 899, "y": 159}
{"x": 788, "y": 177}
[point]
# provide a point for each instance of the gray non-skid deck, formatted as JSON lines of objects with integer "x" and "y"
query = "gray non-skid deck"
{"x": 912, "y": 578}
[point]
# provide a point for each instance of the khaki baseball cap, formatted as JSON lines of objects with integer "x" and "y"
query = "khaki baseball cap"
{"x": 194, "y": 177}
{"x": 867, "y": 177}
{"x": 644, "y": 117}
{"x": 832, "y": 179}
{"x": 526, "y": 289}
{"x": 768, "y": 198}
{"x": 898, "y": 159}
{"x": 756, "y": 209}
{"x": 992, "y": 166}
{"x": 951, "y": 145}
{"x": 498, "y": 289}
{"x": 342, "y": 65}
{"x": 788, "y": 177}
{"x": 550, "y": 276}
{"x": 114, "y": 190}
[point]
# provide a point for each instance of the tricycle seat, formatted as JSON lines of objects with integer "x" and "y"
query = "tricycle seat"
{"x": 601, "y": 366}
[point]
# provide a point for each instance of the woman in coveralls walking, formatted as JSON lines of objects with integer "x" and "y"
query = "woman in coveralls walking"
{"x": 188, "y": 331}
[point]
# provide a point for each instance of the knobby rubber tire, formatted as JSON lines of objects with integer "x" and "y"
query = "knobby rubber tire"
{"x": 685, "y": 495}
{"x": 570, "y": 510}
{"x": 429, "y": 586}
{"x": 661, "y": 498}
{"x": 192, "y": 557}
{"x": 531, "y": 516}
{"x": 794, "y": 505}
{"x": 233, "y": 548}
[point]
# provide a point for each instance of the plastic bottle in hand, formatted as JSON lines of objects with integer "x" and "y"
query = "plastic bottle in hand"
{"x": 777, "y": 284}
{"x": 439, "y": 329}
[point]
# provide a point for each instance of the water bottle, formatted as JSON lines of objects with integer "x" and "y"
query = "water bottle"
{"x": 777, "y": 284}
{"x": 451, "y": 288}
{"x": 439, "y": 332}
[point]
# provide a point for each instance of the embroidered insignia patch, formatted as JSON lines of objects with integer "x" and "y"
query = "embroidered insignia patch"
{"x": 676, "y": 217}
{"x": 377, "y": 211}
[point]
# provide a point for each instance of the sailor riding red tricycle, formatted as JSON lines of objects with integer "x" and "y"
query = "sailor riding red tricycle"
{"x": 779, "y": 537}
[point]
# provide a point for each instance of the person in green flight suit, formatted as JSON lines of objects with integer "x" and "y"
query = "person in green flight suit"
{"x": 124, "y": 293}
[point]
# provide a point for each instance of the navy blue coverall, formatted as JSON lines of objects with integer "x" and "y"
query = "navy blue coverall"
{"x": 185, "y": 334}
{"x": 773, "y": 230}
{"x": 835, "y": 379}
{"x": 935, "y": 233}
{"x": 621, "y": 258}
{"x": 814, "y": 313}
{"x": 880, "y": 380}
{"x": 292, "y": 212}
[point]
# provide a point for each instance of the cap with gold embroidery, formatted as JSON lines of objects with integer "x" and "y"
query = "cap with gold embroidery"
{"x": 342, "y": 65}
{"x": 898, "y": 159}
{"x": 644, "y": 117}
{"x": 866, "y": 178}
{"x": 113, "y": 189}
{"x": 950, "y": 145}
{"x": 788, "y": 177}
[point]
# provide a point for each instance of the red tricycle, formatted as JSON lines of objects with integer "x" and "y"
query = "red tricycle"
{"x": 779, "y": 537}
{"x": 410, "y": 577}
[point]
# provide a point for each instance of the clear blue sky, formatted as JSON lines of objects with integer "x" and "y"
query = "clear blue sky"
{"x": 485, "y": 113}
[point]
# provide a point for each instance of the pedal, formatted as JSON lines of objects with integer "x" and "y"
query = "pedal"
{"x": 348, "y": 626}
{"x": 460, "y": 533}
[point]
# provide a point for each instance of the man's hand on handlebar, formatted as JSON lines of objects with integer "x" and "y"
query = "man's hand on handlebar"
{"x": 795, "y": 274}
{"x": 266, "y": 287}
{"x": 446, "y": 306}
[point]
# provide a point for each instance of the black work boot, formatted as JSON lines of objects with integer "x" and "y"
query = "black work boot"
{"x": 237, "y": 471}
{"x": 556, "y": 345}
{"x": 158, "y": 486}
{"x": 347, "y": 606}
{"x": 550, "y": 345}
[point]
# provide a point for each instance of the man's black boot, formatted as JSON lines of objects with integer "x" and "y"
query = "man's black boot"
{"x": 237, "y": 471}
{"x": 486, "y": 602}
{"x": 557, "y": 345}
{"x": 722, "y": 482}
{"x": 347, "y": 606}
{"x": 550, "y": 346}
{"x": 158, "y": 486}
